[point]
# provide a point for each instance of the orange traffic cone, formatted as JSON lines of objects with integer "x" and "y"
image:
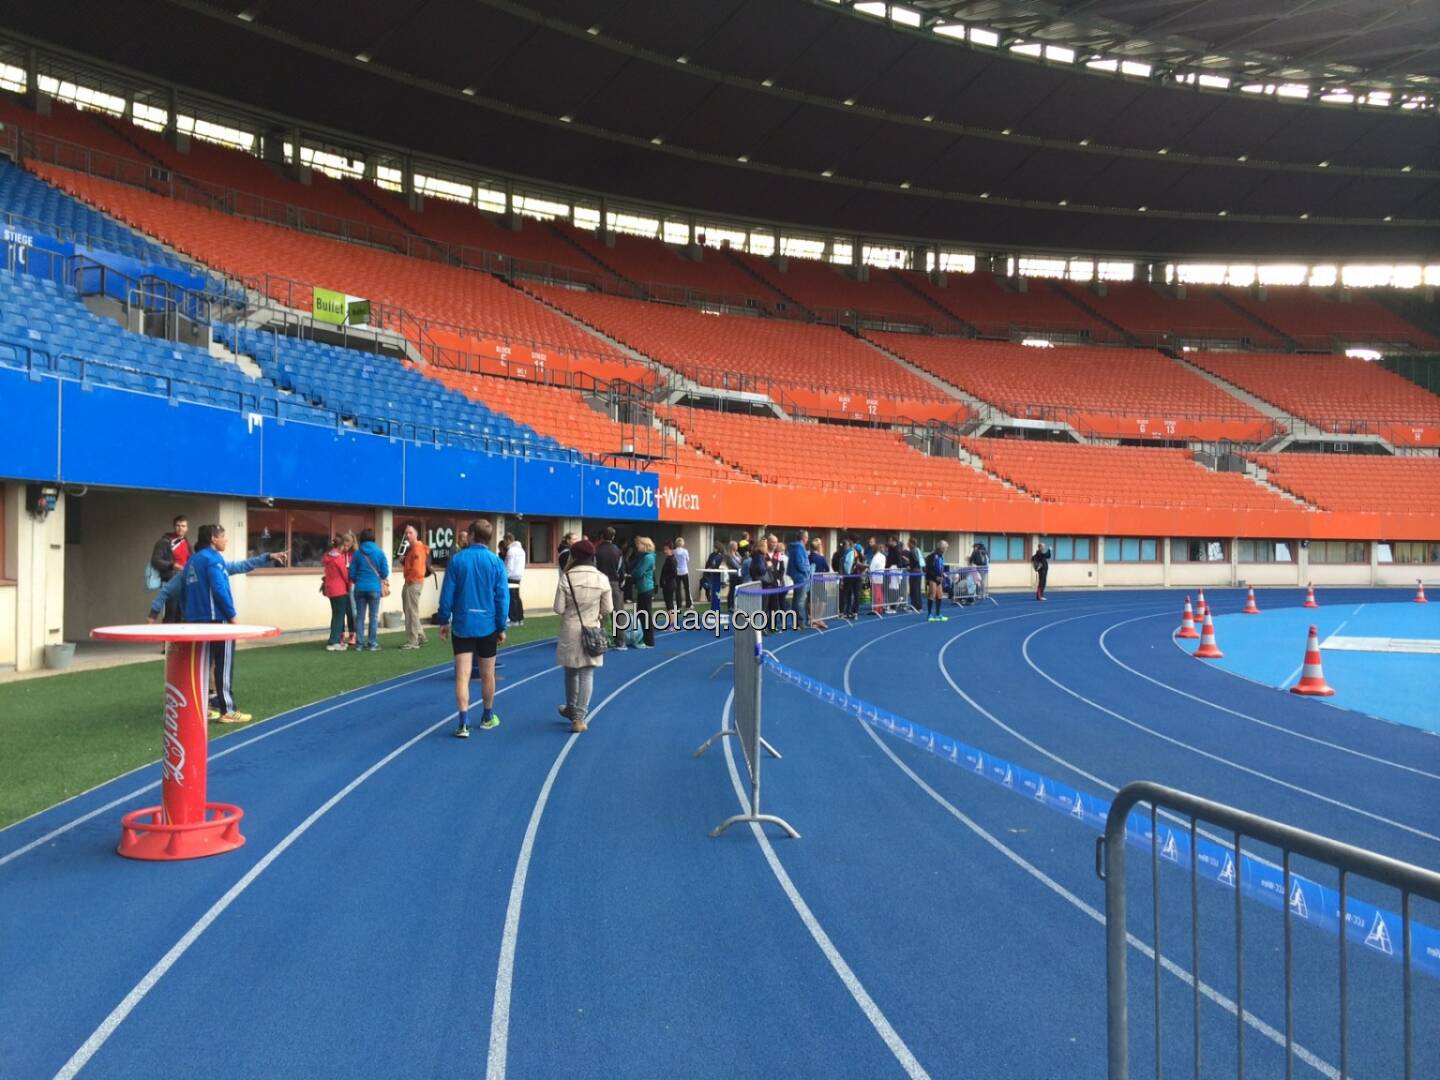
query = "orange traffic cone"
{"x": 1420, "y": 592}
{"x": 1208, "y": 649}
{"x": 1201, "y": 608}
{"x": 1187, "y": 623}
{"x": 1312, "y": 678}
{"x": 1310, "y": 597}
{"x": 1250, "y": 608}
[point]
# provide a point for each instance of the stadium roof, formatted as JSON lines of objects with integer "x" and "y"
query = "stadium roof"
{"x": 1384, "y": 44}
{"x": 805, "y": 112}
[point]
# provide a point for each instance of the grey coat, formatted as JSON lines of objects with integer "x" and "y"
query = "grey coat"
{"x": 592, "y": 590}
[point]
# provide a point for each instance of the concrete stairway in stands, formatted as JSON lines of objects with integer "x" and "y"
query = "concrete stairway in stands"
{"x": 985, "y": 413}
{"x": 1093, "y": 312}
{"x": 1254, "y": 318}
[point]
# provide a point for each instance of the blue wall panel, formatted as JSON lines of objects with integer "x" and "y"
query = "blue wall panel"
{"x": 547, "y": 487}
{"x": 452, "y": 479}
{"x": 29, "y": 445}
{"x": 119, "y": 438}
{"x": 318, "y": 463}
{"x": 619, "y": 494}
{"x": 126, "y": 439}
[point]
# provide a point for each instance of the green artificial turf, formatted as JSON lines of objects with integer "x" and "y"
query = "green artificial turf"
{"x": 64, "y": 734}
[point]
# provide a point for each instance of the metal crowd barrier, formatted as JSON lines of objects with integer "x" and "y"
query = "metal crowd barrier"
{"x": 1299, "y": 898}
{"x": 744, "y": 714}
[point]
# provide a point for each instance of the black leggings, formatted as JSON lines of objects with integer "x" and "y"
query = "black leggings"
{"x": 643, "y": 601}
{"x": 1043, "y": 572}
{"x": 517, "y": 609}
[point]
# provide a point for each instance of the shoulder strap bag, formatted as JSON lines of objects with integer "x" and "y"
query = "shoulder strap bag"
{"x": 591, "y": 639}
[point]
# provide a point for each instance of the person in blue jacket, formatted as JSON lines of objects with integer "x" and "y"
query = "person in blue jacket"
{"x": 368, "y": 569}
{"x": 797, "y": 565}
{"x": 475, "y": 609}
{"x": 205, "y": 597}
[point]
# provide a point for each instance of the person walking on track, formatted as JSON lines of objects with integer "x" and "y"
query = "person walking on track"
{"x": 474, "y": 609}
{"x": 582, "y": 600}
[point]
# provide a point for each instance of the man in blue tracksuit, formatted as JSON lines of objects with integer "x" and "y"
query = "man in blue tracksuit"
{"x": 205, "y": 597}
{"x": 475, "y": 606}
{"x": 797, "y": 565}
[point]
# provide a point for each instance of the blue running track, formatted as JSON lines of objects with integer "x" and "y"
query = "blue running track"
{"x": 532, "y": 904}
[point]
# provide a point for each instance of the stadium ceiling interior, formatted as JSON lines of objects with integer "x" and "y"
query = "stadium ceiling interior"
{"x": 815, "y": 113}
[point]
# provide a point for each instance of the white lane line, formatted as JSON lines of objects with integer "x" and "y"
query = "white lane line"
{"x": 1246, "y": 716}
{"x": 137, "y": 994}
{"x": 387, "y": 684}
{"x": 1210, "y": 993}
{"x": 1298, "y": 789}
{"x": 61, "y": 830}
{"x": 505, "y": 970}
{"x": 847, "y": 975}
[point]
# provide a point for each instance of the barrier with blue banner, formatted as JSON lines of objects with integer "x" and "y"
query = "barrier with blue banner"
{"x": 1309, "y": 902}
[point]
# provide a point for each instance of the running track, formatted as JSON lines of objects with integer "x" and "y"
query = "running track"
{"x": 532, "y": 905}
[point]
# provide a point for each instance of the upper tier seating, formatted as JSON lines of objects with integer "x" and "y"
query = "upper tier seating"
{"x": 825, "y": 289}
{"x": 84, "y": 130}
{"x": 450, "y": 222}
{"x": 1120, "y": 476}
{"x": 1063, "y": 382}
{"x": 1363, "y": 483}
{"x": 714, "y": 349}
{"x": 995, "y": 310}
{"x": 377, "y": 390}
{"x": 253, "y": 251}
{"x": 1316, "y": 321}
{"x": 36, "y": 203}
{"x": 564, "y": 414}
{"x": 809, "y": 454}
{"x": 1152, "y": 314}
{"x": 1337, "y": 393}
{"x": 655, "y": 264}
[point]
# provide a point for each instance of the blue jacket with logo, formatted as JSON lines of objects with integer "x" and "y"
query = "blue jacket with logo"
{"x": 206, "y": 596}
{"x": 364, "y": 578}
{"x": 475, "y": 599}
{"x": 797, "y": 563}
{"x": 176, "y": 585}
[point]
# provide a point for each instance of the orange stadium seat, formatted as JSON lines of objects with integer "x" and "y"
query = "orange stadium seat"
{"x": 1364, "y": 483}
{"x": 1315, "y": 320}
{"x": 807, "y": 454}
{"x": 830, "y": 291}
{"x": 745, "y": 352}
{"x": 997, "y": 310}
{"x": 1153, "y": 315}
{"x": 1113, "y": 392}
{"x": 1120, "y": 476}
{"x": 1339, "y": 394}
{"x": 275, "y": 259}
{"x": 564, "y": 415}
{"x": 664, "y": 268}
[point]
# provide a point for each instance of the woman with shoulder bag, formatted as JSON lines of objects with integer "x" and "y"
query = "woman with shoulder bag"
{"x": 583, "y": 601}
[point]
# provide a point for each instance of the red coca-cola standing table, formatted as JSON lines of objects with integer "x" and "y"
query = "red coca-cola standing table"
{"x": 184, "y": 825}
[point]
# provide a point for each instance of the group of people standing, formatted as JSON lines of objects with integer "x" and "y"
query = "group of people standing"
{"x": 355, "y": 576}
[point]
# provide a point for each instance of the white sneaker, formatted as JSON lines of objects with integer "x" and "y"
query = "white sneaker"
{"x": 334, "y": 648}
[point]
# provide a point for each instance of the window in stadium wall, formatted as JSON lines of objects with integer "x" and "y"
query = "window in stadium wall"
{"x": 1350, "y": 552}
{"x": 1071, "y": 548}
{"x": 1266, "y": 551}
{"x": 538, "y": 538}
{"x": 1123, "y": 549}
{"x": 1201, "y": 551}
{"x": 1003, "y": 548}
{"x": 1410, "y": 552}
{"x": 304, "y": 532}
